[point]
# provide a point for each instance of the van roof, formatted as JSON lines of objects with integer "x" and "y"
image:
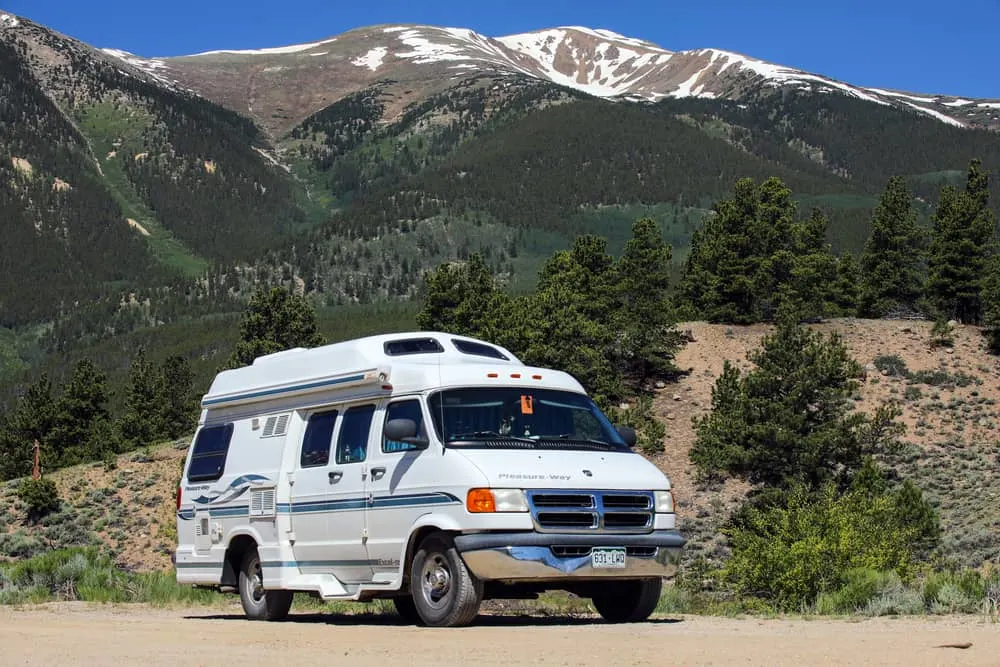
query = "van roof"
{"x": 408, "y": 360}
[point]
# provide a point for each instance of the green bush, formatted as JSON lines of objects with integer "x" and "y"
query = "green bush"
{"x": 895, "y": 599}
{"x": 40, "y": 496}
{"x": 892, "y": 364}
{"x": 790, "y": 547}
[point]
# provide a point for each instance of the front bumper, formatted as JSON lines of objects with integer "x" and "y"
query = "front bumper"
{"x": 530, "y": 556}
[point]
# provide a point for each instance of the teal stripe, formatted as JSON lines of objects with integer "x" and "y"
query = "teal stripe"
{"x": 283, "y": 390}
{"x": 190, "y": 566}
{"x": 317, "y": 563}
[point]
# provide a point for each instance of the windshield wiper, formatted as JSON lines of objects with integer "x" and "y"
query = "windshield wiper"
{"x": 570, "y": 436}
{"x": 488, "y": 434}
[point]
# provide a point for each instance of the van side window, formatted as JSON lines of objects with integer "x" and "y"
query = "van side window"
{"x": 352, "y": 442}
{"x": 403, "y": 410}
{"x": 317, "y": 440}
{"x": 208, "y": 456}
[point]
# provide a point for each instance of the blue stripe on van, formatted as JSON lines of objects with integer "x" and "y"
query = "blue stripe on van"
{"x": 338, "y": 505}
{"x": 318, "y": 563}
{"x": 282, "y": 390}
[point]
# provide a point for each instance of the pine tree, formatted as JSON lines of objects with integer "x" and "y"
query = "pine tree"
{"x": 991, "y": 304}
{"x": 892, "y": 260}
{"x": 646, "y": 317}
{"x": 276, "y": 319}
{"x": 80, "y": 414}
{"x": 178, "y": 409}
{"x": 962, "y": 243}
{"x": 788, "y": 421}
{"x": 846, "y": 288}
{"x": 752, "y": 259}
{"x": 141, "y": 423}
{"x": 32, "y": 419}
{"x": 463, "y": 299}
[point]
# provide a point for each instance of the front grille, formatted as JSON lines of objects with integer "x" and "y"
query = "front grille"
{"x": 563, "y": 500}
{"x": 578, "y": 511}
{"x": 614, "y": 520}
{"x": 569, "y": 520}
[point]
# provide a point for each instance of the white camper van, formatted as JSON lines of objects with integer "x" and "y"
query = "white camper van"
{"x": 433, "y": 469}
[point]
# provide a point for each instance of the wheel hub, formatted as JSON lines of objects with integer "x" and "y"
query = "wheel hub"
{"x": 437, "y": 580}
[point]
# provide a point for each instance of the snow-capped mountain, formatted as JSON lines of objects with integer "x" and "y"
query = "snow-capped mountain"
{"x": 597, "y": 62}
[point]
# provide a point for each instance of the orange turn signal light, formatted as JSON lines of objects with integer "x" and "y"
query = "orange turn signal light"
{"x": 479, "y": 501}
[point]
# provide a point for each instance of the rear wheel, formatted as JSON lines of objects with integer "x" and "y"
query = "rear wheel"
{"x": 628, "y": 601}
{"x": 444, "y": 591}
{"x": 260, "y": 604}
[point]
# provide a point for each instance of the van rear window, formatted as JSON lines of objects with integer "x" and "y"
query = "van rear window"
{"x": 208, "y": 456}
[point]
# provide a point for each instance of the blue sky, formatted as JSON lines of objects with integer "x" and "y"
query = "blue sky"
{"x": 948, "y": 48}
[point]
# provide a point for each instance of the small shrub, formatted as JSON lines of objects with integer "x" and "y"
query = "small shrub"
{"x": 942, "y": 334}
{"x": 40, "y": 497}
{"x": 892, "y": 365}
{"x": 860, "y": 587}
{"x": 913, "y": 393}
{"x": 895, "y": 600}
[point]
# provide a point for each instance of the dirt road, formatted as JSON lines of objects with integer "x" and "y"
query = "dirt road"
{"x": 93, "y": 635}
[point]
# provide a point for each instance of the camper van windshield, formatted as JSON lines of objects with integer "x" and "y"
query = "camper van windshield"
{"x": 514, "y": 418}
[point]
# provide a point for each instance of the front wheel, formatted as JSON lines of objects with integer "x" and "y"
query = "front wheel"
{"x": 628, "y": 601}
{"x": 260, "y": 604}
{"x": 444, "y": 592}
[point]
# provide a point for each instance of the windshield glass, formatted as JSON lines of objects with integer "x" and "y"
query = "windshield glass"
{"x": 521, "y": 419}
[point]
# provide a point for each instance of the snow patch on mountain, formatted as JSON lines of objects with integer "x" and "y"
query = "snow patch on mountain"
{"x": 990, "y": 105}
{"x": 936, "y": 114}
{"x": 8, "y": 20}
{"x": 153, "y": 66}
{"x": 277, "y": 50}
{"x": 892, "y": 93}
{"x": 373, "y": 59}
{"x": 959, "y": 103}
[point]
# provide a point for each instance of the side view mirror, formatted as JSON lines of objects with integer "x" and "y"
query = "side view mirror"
{"x": 627, "y": 434}
{"x": 404, "y": 430}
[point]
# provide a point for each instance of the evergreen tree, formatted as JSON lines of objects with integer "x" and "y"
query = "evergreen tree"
{"x": 752, "y": 259}
{"x": 846, "y": 288}
{"x": 276, "y": 319}
{"x": 81, "y": 415}
{"x": 789, "y": 420}
{"x": 463, "y": 299}
{"x": 646, "y": 317}
{"x": 32, "y": 419}
{"x": 892, "y": 260}
{"x": 962, "y": 242}
{"x": 571, "y": 318}
{"x": 142, "y": 423}
{"x": 178, "y": 408}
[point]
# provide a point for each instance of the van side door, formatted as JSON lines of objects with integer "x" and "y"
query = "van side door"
{"x": 328, "y": 497}
{"x": 402, "y": 487}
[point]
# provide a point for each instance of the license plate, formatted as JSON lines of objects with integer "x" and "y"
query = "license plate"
{"x": 607, "y": 558}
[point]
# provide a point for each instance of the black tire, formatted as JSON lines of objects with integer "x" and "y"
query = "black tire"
{"x": 407, "y": 609}
{"x": 259, "y": 604}
{"x": 628, "y": 601}
{"x": 444, "y": 592}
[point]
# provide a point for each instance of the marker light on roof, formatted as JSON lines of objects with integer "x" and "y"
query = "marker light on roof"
{"x": 492, "y": 375}
{"x": 515, "y": 375}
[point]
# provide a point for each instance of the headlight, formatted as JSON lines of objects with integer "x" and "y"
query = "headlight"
{"x": 664, "y": 502}
{"x": 479, "y": 501}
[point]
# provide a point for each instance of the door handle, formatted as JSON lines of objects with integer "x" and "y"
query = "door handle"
{"x": 335, "y": 476}
{"x": 378, "y": 472}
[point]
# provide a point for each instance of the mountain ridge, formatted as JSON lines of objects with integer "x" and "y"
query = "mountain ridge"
{"x": 598, "y": 62}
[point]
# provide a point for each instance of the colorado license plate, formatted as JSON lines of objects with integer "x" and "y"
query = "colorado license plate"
{"x": 607, "y": 558}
